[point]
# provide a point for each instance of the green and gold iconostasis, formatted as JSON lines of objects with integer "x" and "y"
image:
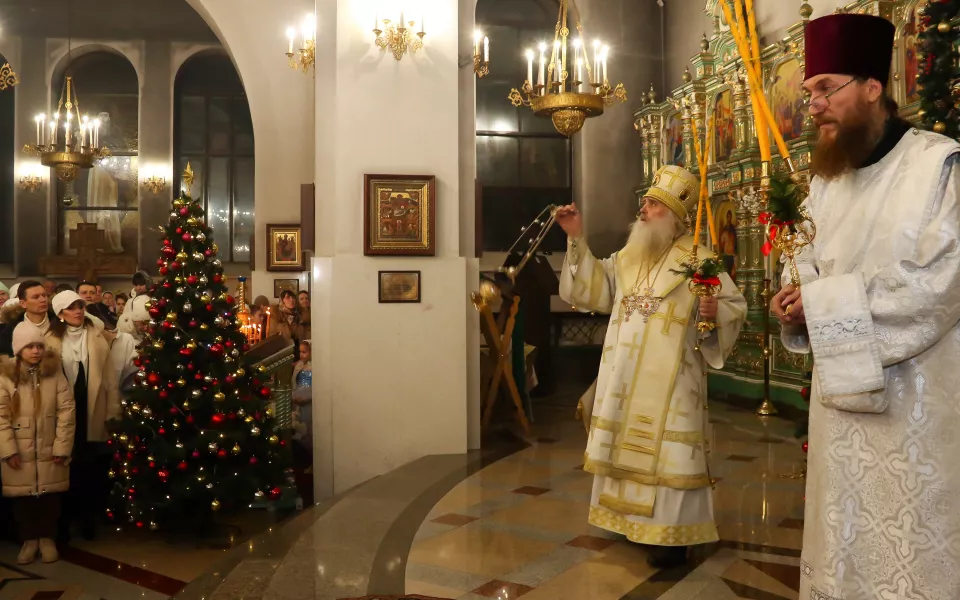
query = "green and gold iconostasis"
{"x": 715, "y": 90}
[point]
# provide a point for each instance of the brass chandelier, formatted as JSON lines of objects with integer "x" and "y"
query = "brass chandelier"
{"x": 568, "y": 96}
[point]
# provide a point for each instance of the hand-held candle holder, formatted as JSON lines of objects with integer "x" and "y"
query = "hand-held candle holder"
{"x": 704, "y": 282}
{"x": 789, "y": 227}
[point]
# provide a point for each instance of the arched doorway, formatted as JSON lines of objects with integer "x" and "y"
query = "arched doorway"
{"x": 108, "y": 89}
{"x": 212, "y": 130}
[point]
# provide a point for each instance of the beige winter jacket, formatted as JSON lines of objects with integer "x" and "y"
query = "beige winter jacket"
{"x": 103, "y": 384}
{"x": 44, "y": 428}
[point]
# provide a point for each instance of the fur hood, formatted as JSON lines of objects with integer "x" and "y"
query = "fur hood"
{"x": 49, "y": 365}
{"x": 11, "y": 315}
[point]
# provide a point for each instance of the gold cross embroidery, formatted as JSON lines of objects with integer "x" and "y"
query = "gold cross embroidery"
{"x": 606, "y": 349}
{"x": 622, "y": 396}
{"x": 669, "y": 318}
{"x": 664, "y": 174}
{"x": 632, "y": 346}
{"x": 676, "y": 412}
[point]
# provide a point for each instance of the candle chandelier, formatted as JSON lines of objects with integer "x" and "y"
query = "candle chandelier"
{"x": 78, "y": 145}
{"x": 568, "y": 92}
{"x": 398, "y": 37}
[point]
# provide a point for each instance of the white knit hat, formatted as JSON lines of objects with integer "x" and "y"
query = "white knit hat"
{"x": 25, "y": 334}
{"x": 14, "y": 290}
{"x": 64, "y": 299}
{"x": 137, "y": 308}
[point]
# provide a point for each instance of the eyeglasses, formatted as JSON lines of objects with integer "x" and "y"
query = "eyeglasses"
{"x": 822, "y": 102}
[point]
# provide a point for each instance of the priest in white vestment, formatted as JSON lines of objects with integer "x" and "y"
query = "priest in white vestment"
{"x": 879, "y": 307}
{"x": 646, "y": 446}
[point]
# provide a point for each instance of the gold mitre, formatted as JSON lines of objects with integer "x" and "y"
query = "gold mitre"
{"x": 676, "y": 188}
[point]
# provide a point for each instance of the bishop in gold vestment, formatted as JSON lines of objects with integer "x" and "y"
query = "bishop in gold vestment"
{"x": 646, "y": 446}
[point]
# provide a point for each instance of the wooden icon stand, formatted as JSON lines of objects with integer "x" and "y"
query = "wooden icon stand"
{"x": 500, "y": 345}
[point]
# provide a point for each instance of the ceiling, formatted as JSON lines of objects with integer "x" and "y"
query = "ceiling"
{"x": 104, "y": 19}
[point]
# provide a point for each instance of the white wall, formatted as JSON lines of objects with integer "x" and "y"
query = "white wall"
{"x": 281, "y": 106}
{"x": 393, "y": 377}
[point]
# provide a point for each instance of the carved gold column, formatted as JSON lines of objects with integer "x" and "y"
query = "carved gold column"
{"x": 743, "y": 114}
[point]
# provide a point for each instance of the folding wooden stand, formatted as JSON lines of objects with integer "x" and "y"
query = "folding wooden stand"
{"x": 500, "y": 345}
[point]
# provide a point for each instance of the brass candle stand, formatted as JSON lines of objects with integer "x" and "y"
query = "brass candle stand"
{"x": 766, "y": 408}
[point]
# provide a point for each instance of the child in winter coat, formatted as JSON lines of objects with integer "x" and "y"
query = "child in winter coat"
{"x": 303, "y": 397}
{"x": 37, "y": 423}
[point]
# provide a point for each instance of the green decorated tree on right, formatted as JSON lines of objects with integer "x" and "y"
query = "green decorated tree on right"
{"x": 938, "y": 76}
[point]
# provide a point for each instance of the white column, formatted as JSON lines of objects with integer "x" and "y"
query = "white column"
{"x": 391, "y": 379}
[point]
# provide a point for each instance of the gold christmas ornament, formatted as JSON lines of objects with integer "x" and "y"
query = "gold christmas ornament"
{"x": 219, "y": 397}
{"x": 204, "y": 327}
{"x": 236, "y": 449}
{"x": 944, "y": 27}
{"x": 181, "y": 382}
{"x": 171, "y": 317}
{"x": 123, "y": 438}
{"x": 274, "y": 439}
{"x": 258, "y": 494}
{"x": 215, "y": 505}
{"x": 154, "y": 526}
{"x": 940, "y": 127}
{"x": 181, "y": 257}
{"x": 212, "y": 447}
{"x": 111, "y": 473}
{"x": 191, "y": 344}
{"x": 254, "y": 431}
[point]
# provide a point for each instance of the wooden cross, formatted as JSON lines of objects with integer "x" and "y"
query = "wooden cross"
{"x": 88, "y": 240}
{"x": 669, "y": 318}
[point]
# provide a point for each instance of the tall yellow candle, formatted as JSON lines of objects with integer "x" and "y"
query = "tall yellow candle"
{"x": 752, "y": 60}
{"x": 705, "y": 190}
{"x": 757, "y": 98}
{"x": 703, "y": 176}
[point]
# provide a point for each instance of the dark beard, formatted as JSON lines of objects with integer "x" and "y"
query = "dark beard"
{"x": 849, "y": 149}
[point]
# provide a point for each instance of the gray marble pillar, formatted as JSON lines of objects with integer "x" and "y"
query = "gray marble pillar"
{"x": 156, "y": 145}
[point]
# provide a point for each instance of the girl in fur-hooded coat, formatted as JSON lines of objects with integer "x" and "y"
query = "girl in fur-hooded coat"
{"x": 37, "y": 423}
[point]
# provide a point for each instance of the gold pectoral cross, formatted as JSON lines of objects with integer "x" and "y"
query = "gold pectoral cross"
{"x": 645, "y": 305}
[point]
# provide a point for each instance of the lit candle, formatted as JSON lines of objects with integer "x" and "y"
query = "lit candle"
{"x": 290, "y": 35}
{"x": 53, "y": 132}
{"x": 376, "y": 20}
{"x": 530, "y": 67}
{"x": 83, "y": 134}
{"x": 606, "y": 52}
{"x": 556, "y": 60}
{"x": 403, "y": 24}
{"x": 486, "y": 49}
{"x": 541, "y": 81}
{"x": 96, "y": 133}
{"x": 56, "y": 128}
{"x": 66, "y": 129}
{"x": 596, "y": 61}
{"x": 576, "y": 56}
{"x": 476, "y": 42}
{"x": 579, "y": 75}
{"x": 39, "y": 120}
{"x": 423, "y": 27}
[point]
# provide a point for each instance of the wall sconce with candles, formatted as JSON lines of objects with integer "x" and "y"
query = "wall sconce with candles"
{"x": 31, "y": 177}
{"x": 305, "y": 58}
{"x": 398, "y": 38}
{"x": 155, "y": 184}
{"x": 481, "y": 60}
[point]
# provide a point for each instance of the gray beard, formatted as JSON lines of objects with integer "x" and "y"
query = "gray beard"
{"x": 649, "y": 239}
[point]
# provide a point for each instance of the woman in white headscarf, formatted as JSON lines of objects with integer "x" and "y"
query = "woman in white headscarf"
{"x": 85, "y": 354}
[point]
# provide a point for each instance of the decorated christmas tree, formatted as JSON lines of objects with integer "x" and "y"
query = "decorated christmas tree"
{"x": 939, "y": 67}
{"x": 197, "y": 435}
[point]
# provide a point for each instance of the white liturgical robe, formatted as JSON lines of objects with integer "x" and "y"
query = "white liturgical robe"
{"x": 646, "y": 446}
{"x": 881, "y": 294}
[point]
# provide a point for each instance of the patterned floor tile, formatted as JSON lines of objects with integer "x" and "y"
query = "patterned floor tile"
{"x": 453, "y": 519}
{"x": 589, "y": 542}
{"x": 529, "y": 490}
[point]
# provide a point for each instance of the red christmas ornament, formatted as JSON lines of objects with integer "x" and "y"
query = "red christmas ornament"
{"x": 161, "y": 431}
{"x": 167, "y": 325}
{"x": 168, "y": 251}
{"x": 208, "y": 253}
{"x": 166, "y": 285}
{"x": 193, "y": 323}
{"x": 174, "y": 266}
{"x": 161, "y": 262}
{"x": 183, "y": 465}
{"x": 231, "y": 416}
{"x": 179, "y": 229}
{"x": 246, "y": 347}
{"x": 185, "y": 351}
{"x": 153, "y": 378}
{"x": 209, "y": 308}
{"x": 184, "y": 211}
{"x": 230, "y": 300}
{"x": 222, "y": 453}
{"x": 192, "y": 280}
{"x": 162, "y": 302}
{"x": 137, "y": 362}
{"x": 198, "y": 376}
{"x": 218, "y": 278}
{"x": 253, "y": 460}
{"x": 187, "y": 237}
{"x": 164, "y": 394}
{"x": 229, "y": 344}
{"x": 164, "y": 270}
{"x": 265, "y": 392}
{"x": 275, "y": 493}
{"x": 116, "y": 457}
{"x": 190, "y": 366}
{"x": 140, "y": 524}
{"x": 170, "y": 385}
{"x": 110, "y": 514}
{"x": 229, "y": 378}
{"x": 153, "y": 465}
{"x": 174, "y": 410}
{"x": 190, "y": 419}
{"x": 805, "y": 447}
{"x": 163, "y": 473}
{"x": 195, "y": 454}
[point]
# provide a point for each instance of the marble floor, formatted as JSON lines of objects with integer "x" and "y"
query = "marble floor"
{"x": 507, "y": 522}
{"x": 518, "y": 528}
